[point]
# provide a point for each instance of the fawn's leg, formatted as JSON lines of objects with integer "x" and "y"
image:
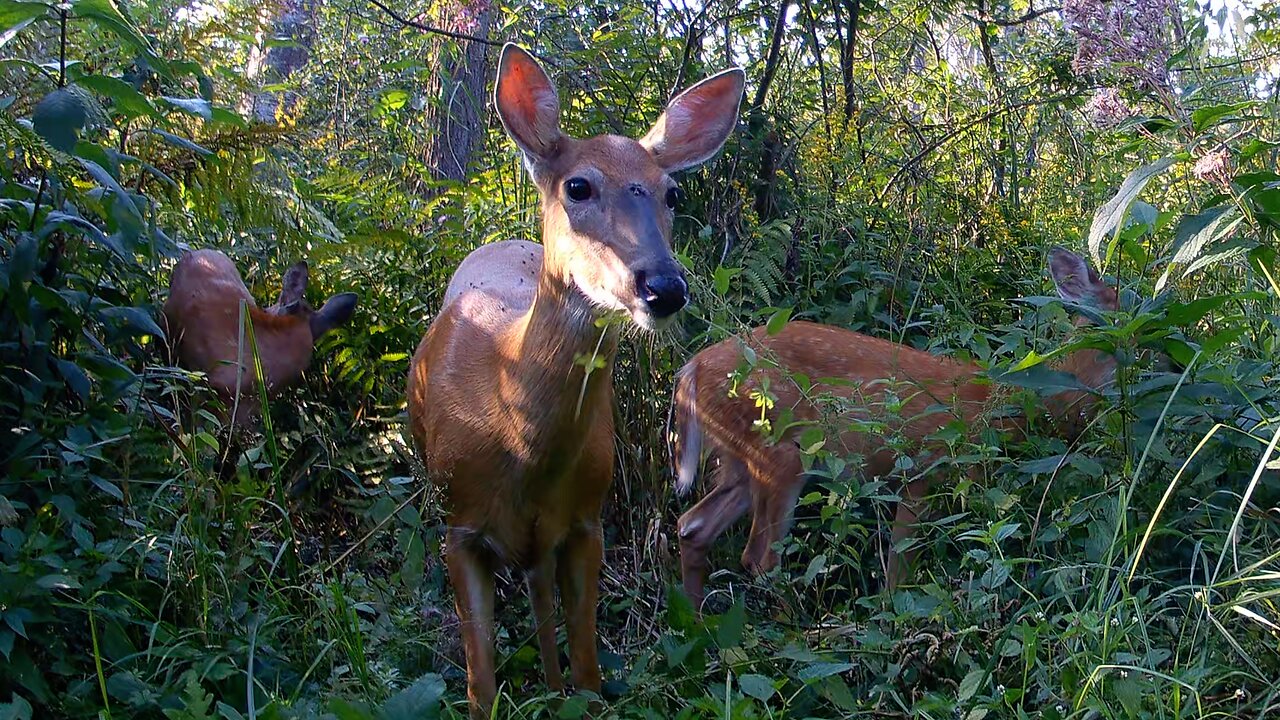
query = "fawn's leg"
{"x": 707, "y": 520}
{"x": 775, "y": 488}
{"x": 579, "y": 574}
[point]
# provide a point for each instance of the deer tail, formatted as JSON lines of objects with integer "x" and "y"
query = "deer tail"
{"x": 686, "y": 438}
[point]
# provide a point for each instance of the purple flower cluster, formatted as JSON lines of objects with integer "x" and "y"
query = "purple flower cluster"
{"x": 463, "y": 15}
{"x": 1106, "y": 108}
{"x": 1213, "y": 167}
{"x": 1122, "y": 38}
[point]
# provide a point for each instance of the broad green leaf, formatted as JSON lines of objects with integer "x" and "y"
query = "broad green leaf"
{"x": 136, "y": 319}
{"x": 1109, "y": 219}
{"x": 730, "y": 626}
{"x": 419, "y": 701}
{"x": 75, "y": 378}
{"x": 58, "y": 220}
{"x": 181, "y": 142}
{"x": 756, "y": 686}
{"x": 125, "y": 99}
{"x": 192, "y": 106}
{"x": 778, "y": 321}
{"x": 16, "y": 14}
{"x": 817, "y": 671}
{"x": 816, "y": 566}
{"x": 107, "y": 16}
{"x": 1204, "y": 118}
{"x": 58, "y": 118}
{"x": 108, "y": 180}
{"x": 969, "y": 685}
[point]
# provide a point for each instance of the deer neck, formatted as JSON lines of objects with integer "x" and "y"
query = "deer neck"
{"x": 550, "y": 342}
{"x": 1071, "y": 410}
{"x": 283, "y": 344}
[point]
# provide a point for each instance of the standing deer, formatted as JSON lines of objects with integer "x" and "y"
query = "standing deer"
{"x": 509, "y": 424}
{"x": 767, "y": 479}
{"x": 203, "y": 315}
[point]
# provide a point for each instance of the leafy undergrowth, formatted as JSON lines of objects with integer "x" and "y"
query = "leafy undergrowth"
{"x": 152, "y": 567}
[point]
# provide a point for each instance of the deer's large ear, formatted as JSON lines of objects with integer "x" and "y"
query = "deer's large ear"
{"x": 697, "y": 122}
{"x": 527, "y": 104}
{"x": 337, "y": 311}
{"x": 294, "y": 285}
{"x": 1078, "y": 282}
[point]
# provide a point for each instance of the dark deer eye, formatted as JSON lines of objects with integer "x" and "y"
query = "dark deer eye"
{"x": 577, "y": 189}
{"x": 674, "y": 196}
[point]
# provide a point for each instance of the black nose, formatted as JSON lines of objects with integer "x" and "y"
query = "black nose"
{"x": 664, "y": 293}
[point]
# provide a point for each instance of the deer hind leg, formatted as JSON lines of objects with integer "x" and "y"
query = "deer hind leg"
{"x": 542, "y": 596}
{"x": 578, "y": 571}
{"x": 775, "y": 488}
{"x": 704, "y": 522}
{"x": 471, "y": 574}
{"x": 910, "y": 507}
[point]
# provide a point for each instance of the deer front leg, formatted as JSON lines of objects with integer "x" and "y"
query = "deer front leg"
{"x": 542, "y": 596}
{"x": 579, "y": 574}
{"x": 910, "y": 506}
{"x": 703, "y": 523}
{"x": 775, "y": 488}
{"x": 471, "y": 575}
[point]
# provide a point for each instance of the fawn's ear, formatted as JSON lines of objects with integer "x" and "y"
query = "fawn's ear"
{"x": 294, "y": 285}
{"x": 697, "y": 122}
{"x": 336, "y": 311}
{"x": 1078, "y": 282}
{"x": 527, "y": 105}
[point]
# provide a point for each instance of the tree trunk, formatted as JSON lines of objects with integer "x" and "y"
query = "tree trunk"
{"x": 456, "y": 120}
{"x": 294, "y": 23}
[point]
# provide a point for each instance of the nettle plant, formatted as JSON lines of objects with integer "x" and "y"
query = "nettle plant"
{"x": 82, "y": 368}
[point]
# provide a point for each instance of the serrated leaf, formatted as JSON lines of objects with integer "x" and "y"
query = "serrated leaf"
{"x": 419, "y": 701}
{"x": 777, "y": 321}
{"x": 58, "y": 582}
{"x": 136, "y": 319}
{"x": 1109, "y": 219}
{"x": 756, "y": 686}
{"x": 58, "y": 118}
{"x": 179, "y": 141}
{"x": 107, "y": 16}
{"x": 817, "y": 671}
{"x": 75, "y": 378}
{"x": 124, "y": 98}
{"x": 193, "y": 106}
{"x": 730, "y": 626}
{"x": 816, "y": 566}
{"x": 969, "y": 685}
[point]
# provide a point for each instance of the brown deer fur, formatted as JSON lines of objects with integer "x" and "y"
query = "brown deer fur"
{"x": 203, "y": 315}
{"x": 519, "y": 439}
{"x": 766, "y": 479}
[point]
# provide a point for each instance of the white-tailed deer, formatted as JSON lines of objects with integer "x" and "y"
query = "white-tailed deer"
{"x": 767, "y": 479}
{"x": 509, "y": 425}
{"x": 203, "y": 315}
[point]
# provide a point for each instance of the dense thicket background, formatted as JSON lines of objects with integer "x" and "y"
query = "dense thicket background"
{"x": 901, "y": 168}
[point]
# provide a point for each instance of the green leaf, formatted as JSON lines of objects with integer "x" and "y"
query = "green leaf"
{"x": 731, "y": 624}
{"x": 225, "y": 116}
{"x": 1204, "y": 118}
{"x": 970, "y": 684}
{"x": 58, "y": 582}
{"x": 193, "y": 106}
{"x": 124, "y": 98}
{"x": 75, "y": 378}
{"x": 721, "y": 277}
{"x": 107, "y": 16}
{"x": 419, "y": 701}
{"x": 817, "y": 671}
{"x": 816, "y": 566}
{"x": 777, "y": 321}
{"x": 757, "y": 686}
{"x": 136, "y": 319}
{"x": 178, "y": 141}
{"x": 58, "y": 220}
{"x": 1109, "y": 219}
{"x": 16, "y": 15}
{"x": 58, "y": 118}
{"x": 680, "y": 614}
{"x": 108, "y": 180}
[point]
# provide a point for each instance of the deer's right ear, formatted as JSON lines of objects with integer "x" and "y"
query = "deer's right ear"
{"x": 527, "y": 104}
{"x": 336, "y": 311}
{"x": 294, "y": 285}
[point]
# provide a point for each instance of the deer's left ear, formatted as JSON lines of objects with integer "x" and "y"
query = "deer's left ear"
{"x": 294, "y": 285}
{"x": 697, "y": 122}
